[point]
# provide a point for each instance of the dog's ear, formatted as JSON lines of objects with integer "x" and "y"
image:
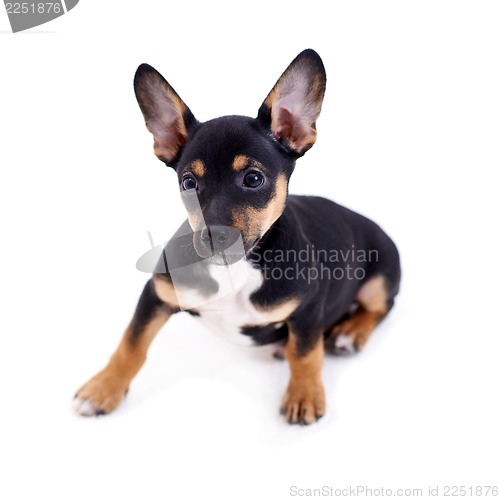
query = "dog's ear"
{"x": 292, "y": 107}
{"x": 167, "y": 117}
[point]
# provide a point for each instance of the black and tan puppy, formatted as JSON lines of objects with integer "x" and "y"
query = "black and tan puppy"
{"x": 302, "y": 270}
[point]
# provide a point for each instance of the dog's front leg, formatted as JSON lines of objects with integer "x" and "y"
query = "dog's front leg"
{"x": 104, "y": 392}
{"x": 304, "y": 399}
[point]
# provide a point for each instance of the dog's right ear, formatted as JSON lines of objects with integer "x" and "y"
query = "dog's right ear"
{"x": 167, "y": 117}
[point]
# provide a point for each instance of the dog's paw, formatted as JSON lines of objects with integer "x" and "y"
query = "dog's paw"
{"x": 350, "y": 336}
{"x": 100, "y": 395}
{"x": 343, "y": 344}
{"x": 303, "y": 403}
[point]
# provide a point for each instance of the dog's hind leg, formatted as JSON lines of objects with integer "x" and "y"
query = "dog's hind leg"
{"x": 350, "y": 335}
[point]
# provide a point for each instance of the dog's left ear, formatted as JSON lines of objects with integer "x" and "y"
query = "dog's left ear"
{"x": 292, "y": 107}
{"x": 167, "y": 117}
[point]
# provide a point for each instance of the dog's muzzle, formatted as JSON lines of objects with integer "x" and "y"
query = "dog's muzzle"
{"x": 222, "y": 245}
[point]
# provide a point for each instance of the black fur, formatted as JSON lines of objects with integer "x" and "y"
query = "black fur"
{"x": 308, "y": 224}
{"x": 321, "y": 230}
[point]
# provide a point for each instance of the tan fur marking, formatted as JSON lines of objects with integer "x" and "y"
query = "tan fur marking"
{"x": 248, "y": 221}
{"x": 373, "y": 295}
{"x": 308, "y": 367}
{"x": 106, "y": 389}
{"x": 304, "y": 399}
{"x": 165, "y": 291}
{"x": 254, "y": 223}
{"x": 198, "y": 168}
{"x": 271, "y": 98}
{"x": 240, "y": 162}
{"x": 372, "y": 298}
{"x": 358, "y": 327}
{"x": 277, "y": 204}
{"x": 280, "y": 312}
{"x": 129, "y": 357}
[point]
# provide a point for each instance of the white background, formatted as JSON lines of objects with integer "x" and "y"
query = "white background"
{"x": 409, "y": 135}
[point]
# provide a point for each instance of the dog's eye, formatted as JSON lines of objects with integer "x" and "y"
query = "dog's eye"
{"x": 189, "y": 183}
{"x": 253, "y": 179}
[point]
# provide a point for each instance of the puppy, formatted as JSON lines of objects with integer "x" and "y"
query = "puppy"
{"x": 251, "y": 261}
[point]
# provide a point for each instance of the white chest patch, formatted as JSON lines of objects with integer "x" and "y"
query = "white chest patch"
{"x": 230, "y": 308}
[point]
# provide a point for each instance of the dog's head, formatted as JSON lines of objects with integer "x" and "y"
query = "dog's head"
{"x": 233, "y": 171}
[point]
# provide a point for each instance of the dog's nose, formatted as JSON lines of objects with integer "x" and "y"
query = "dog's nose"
{"x": 221, "y": 235}
{"x": 218, "y": 235}
{"x": 219, "y": 241}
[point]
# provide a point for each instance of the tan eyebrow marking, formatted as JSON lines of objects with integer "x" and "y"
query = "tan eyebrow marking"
{"x": 240, "y": 162}
{"x": 198, "y": 168}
